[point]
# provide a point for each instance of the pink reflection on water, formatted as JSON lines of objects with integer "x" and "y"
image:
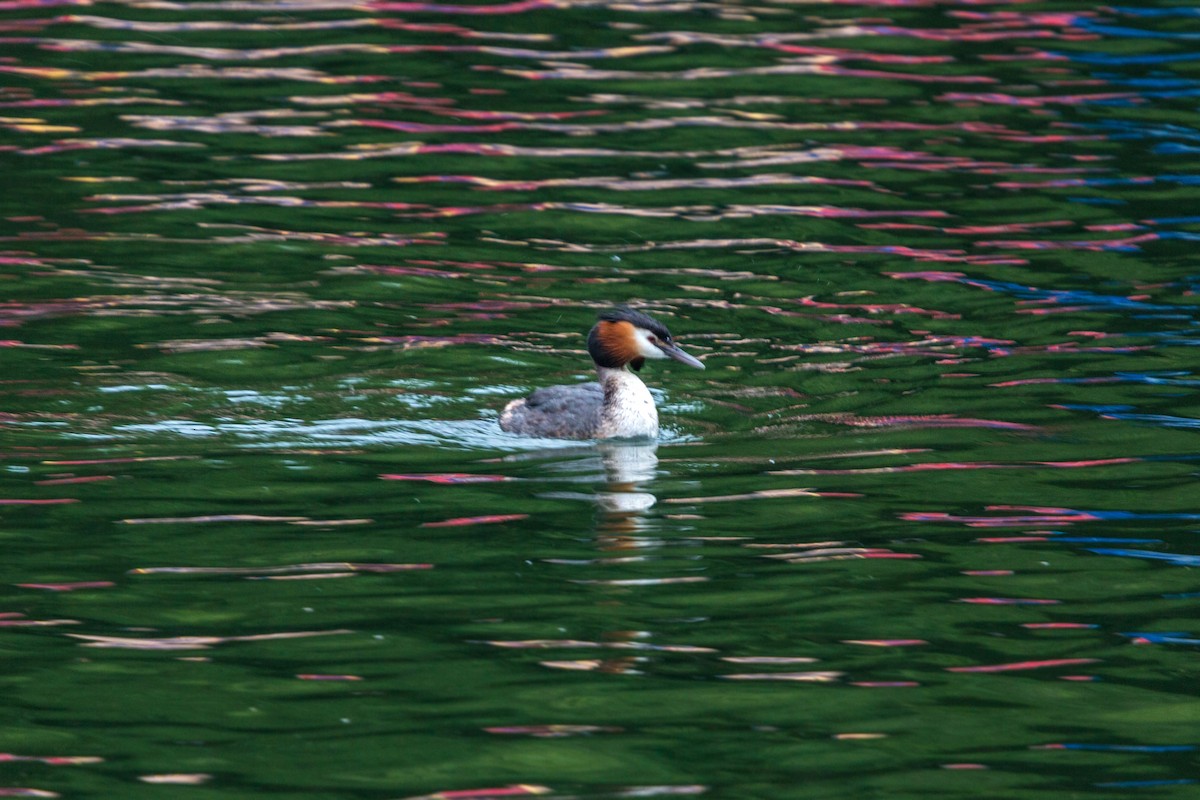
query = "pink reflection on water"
{"x": 448, "y": 478}
{"x": 413, "y": 342}
{"x": 22, "y": 5}
{"x": 176, "y": 778}
{"x": 554, "y": 731}
{"x": 879, "y": 308}
{"x": 1008, "y": 601}
{"x": 921, "y": 421}
{"x": 1040, "y": 516}
{"x": 54, "y": 761}
{"x": 320, "y": 567}
{"x": 627, "y": 185}
{"x": 941, "y": 466}
{"x": 242, "y": 518}
{"x": 75, "y": 479}
{"x": 1085, "y": 245}
{"x": 1037, "y": 101}
{"x": 1025, "y": 665}
{"x": 487, "y": 519}
{"x": 125, "y": 460}
{"x": 793, "y": 677}
{"x": 885, "y": 684}
{"x": 15, "y": 619}
{"x": 577, "y": 72}
{"x": 1051, "y": 381}
{"x": 67, "y": 587}
{"x": 190, "y": 642}
{"x": 518, "y": 7}
{"x": 8, "y": 501}
{"x": 192, "y": 72}
{"x": 842, "y": 54}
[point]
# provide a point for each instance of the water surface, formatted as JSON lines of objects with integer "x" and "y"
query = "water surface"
{"x": 923, "y": 527}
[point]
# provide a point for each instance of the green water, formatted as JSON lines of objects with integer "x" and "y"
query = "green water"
{"x": 924, "y": 527}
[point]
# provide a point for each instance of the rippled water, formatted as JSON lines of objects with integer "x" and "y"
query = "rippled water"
{"x": 922, "y": 528}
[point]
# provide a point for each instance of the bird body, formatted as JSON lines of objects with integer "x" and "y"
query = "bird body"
{"x": 618, "y": 405}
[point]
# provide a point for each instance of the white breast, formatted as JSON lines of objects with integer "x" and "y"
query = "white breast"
{"x": 628, "y": 406}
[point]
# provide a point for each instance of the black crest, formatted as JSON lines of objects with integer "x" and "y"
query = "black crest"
{"x": 627, "y": 314}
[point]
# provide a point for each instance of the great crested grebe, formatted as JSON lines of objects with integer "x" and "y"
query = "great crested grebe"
{"x": 617, "y": 406}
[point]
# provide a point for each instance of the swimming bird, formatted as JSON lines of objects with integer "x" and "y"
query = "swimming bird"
{"x": 618, "y": 405}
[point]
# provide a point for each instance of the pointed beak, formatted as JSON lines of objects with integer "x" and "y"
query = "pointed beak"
{"x": 680, "y": 356}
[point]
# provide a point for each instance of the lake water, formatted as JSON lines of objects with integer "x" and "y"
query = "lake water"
{"x": 924, "y": 527}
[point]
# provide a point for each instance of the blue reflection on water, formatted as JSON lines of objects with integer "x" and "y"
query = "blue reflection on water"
{"x": 1129, "y": 748}
{"x": 1153, "y": 555}
{"x": 1170, "y": 637}
{"x": 1139, "y": 784}
{"x": 1120, "y": 412}
{"x": 1073, "y": 297}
